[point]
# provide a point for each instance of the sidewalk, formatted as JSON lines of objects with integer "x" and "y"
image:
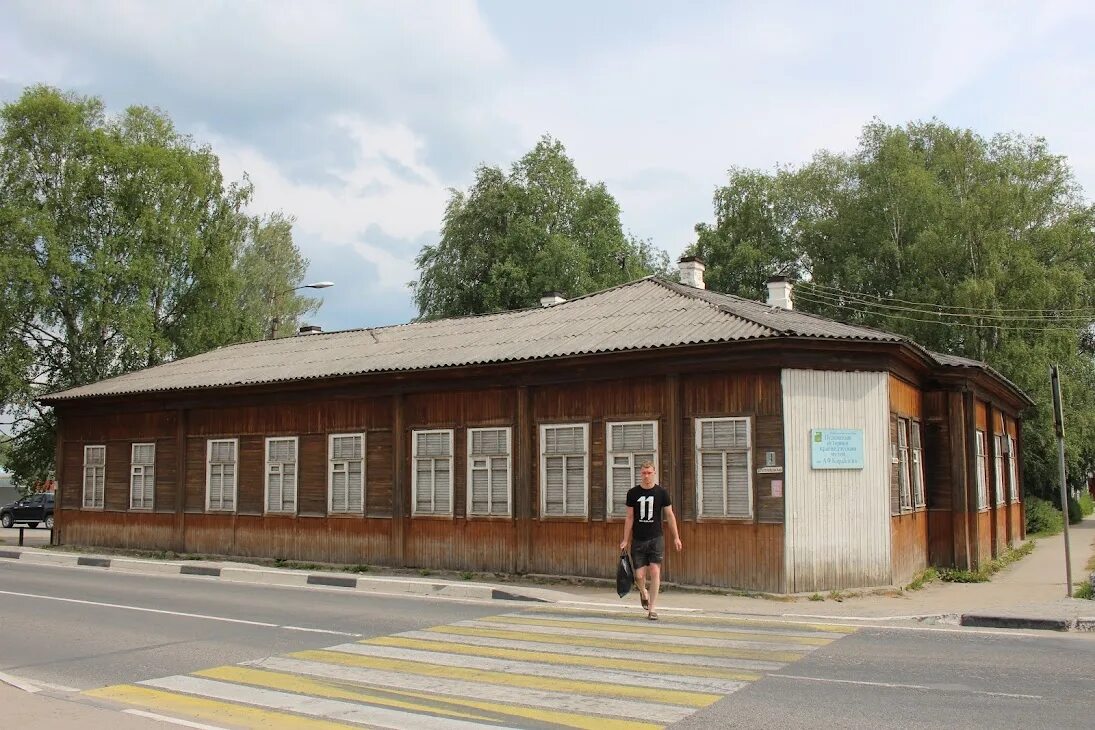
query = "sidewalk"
{"x": 32, "y": 711}
{"x": 1027, "y": 594}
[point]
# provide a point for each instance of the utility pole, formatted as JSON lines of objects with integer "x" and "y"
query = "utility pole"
{"x": 1059, "y": 427}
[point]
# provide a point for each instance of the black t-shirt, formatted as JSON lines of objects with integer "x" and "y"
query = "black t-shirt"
{"x": 648, "y": 504}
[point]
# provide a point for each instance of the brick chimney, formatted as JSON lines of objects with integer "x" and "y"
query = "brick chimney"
{"x": 551, "y": 297}
{"x": 779, "y": 292}
{"x": 692, "y": 268}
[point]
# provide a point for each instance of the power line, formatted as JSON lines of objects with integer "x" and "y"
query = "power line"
{"x": 971, "y": 325}
{"x": 822, "y": 288}
{"x": 935, "y": 311}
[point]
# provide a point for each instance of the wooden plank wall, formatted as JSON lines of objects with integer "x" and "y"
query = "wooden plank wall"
{"x": 909, "y": 551}
{"x": 742, "y": 553}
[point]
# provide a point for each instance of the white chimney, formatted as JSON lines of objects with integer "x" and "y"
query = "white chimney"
{"x": 310, "y": 329}
{"x": 779, "y": 292}
{"x": 551, "y": 297}
{"x": 692, "y": 268}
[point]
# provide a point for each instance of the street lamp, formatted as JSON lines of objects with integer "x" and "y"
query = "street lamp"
{"x": 274, "y": 319}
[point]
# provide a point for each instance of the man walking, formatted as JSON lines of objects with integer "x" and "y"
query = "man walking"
{"x": 645, "y": 506}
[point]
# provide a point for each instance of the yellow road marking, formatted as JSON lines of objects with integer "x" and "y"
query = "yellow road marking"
{"x": 214, "y": 710}
{"x": 314, "y": 688}
{"x": 759, "y": 654}
{"x": 564, "y": 659}
{"x": 527, "y": 681}
{"x": 570, "y": 719}
{"x": 670, "y": 619}
{"x": 661, "y": 631}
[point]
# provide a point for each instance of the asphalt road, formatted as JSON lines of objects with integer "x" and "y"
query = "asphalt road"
{"x": 85, "y": 628}
{"x": 90, "y": 643}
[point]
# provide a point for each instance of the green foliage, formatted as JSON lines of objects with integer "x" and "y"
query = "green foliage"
{"x": 929, "y": 214}
{"x": 1085, "y": 590}
{"x": 509, "y": 238}
{"x": 1087, "y": 504}
{"x": 1042, "y": 517}
{"x": 929, "y": 575}
{"x": 1075, "y": 511}
{"x": 121, "y": 247}
{"x": 986, "y": 571}
{"x": 816, "y": 597}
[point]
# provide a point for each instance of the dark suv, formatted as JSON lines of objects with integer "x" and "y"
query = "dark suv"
{"x": 31, "y": 510}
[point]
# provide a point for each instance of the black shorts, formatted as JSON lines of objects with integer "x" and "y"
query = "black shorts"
{"x": 648, "y": 551}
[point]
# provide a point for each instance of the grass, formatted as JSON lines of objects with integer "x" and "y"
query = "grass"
{"x": 1086, "y": 590}
{"x": 817, "y": 597}
{"x": 986, "y": 571}
{"x": 928, "y": 575}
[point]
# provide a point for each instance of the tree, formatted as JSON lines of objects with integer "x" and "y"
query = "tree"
{"x": 977, "y": 247}
{"x": 268, "y": 263}
{"x": 121, "y": 247}
{"x": 511, "y": 237}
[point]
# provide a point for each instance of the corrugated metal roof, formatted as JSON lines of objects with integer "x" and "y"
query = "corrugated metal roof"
{"x": 644, "y": 314}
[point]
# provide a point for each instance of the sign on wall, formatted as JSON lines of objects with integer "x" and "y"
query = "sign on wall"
{"x": 836, "y": 448}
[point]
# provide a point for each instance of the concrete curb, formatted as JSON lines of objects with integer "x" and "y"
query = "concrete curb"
{"x": 295, "y": 578}
{"x": 1040, "y": 623}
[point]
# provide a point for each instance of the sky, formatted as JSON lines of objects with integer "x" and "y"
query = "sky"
{"x": 359, "y": 118}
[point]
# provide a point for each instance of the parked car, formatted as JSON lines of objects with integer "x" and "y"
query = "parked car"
{"x": 32, "y": 510}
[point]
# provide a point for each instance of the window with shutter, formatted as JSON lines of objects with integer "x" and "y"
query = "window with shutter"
{"x": 982, "y": 497}
{"x": 903, "y": 479}
{"x": 998, "y": 466}
{"x": 220, "y": 480}
{"x": 1013, "y": 470}
{"x": 94, "y": 476}
{"x": 629, "y": 445}
{"x": 489, "y": 465}
{"x": 431, "y": 477}
{"x": 724, "y": 459}
{"x": 564, "y": 470}
{"x": 281, "y": 474}
{"x": 917, "y": 452}
{"x": 346, "y": 473}
{"x": 142, "y": 476}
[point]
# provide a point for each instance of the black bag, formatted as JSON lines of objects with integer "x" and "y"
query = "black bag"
{"x": 625, "y": 575}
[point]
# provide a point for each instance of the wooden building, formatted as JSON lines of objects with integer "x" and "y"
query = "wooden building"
{"x": 801, "y": 454}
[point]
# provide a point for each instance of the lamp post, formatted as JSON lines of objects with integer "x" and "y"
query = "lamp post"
{"x": 274, "y": 319}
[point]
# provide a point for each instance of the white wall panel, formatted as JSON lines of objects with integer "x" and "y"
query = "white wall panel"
{"x": 837, "y": 520}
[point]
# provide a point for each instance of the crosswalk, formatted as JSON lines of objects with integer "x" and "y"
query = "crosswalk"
{"x": 544, "y": 668}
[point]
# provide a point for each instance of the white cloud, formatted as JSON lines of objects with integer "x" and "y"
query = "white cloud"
{"x": 385, "y": 186}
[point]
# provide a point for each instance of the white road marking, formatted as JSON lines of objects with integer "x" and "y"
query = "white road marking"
{"x": 319, "y": 631}
{"x": 636, "y": 678}
{"x": 547, "y": 699}
{"x": 688, "y": 659}
{"x": 892, "y": 685}
{"x": 173, "y": 720}
{"x": 682, "y": 642}
{"x": 202, "y": 616}
{"x": 337, "y": 710}
{"x": 19, "y": 683}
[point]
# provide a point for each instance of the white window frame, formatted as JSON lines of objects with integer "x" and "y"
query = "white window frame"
{"x": 586, "y": 458}
{"x": 904, "y": 464}
{"x": 144, "y": 471}
{"x": 414, "y": 472}
{"x": 281, "y": 470}
{"x": 916, "y": 451}
{"x": 509, "y": 475}
{"x": 610, "y": 458}
{"x": 698, "y": 459}
{"x": 98, "y": 470}
{"x": 982, "y": 466}
{"x": 209, "y": 475}
{"x": 998, "y": 466}
{"x": 331, "y": 465}
{"x": 1013, "y": 469}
